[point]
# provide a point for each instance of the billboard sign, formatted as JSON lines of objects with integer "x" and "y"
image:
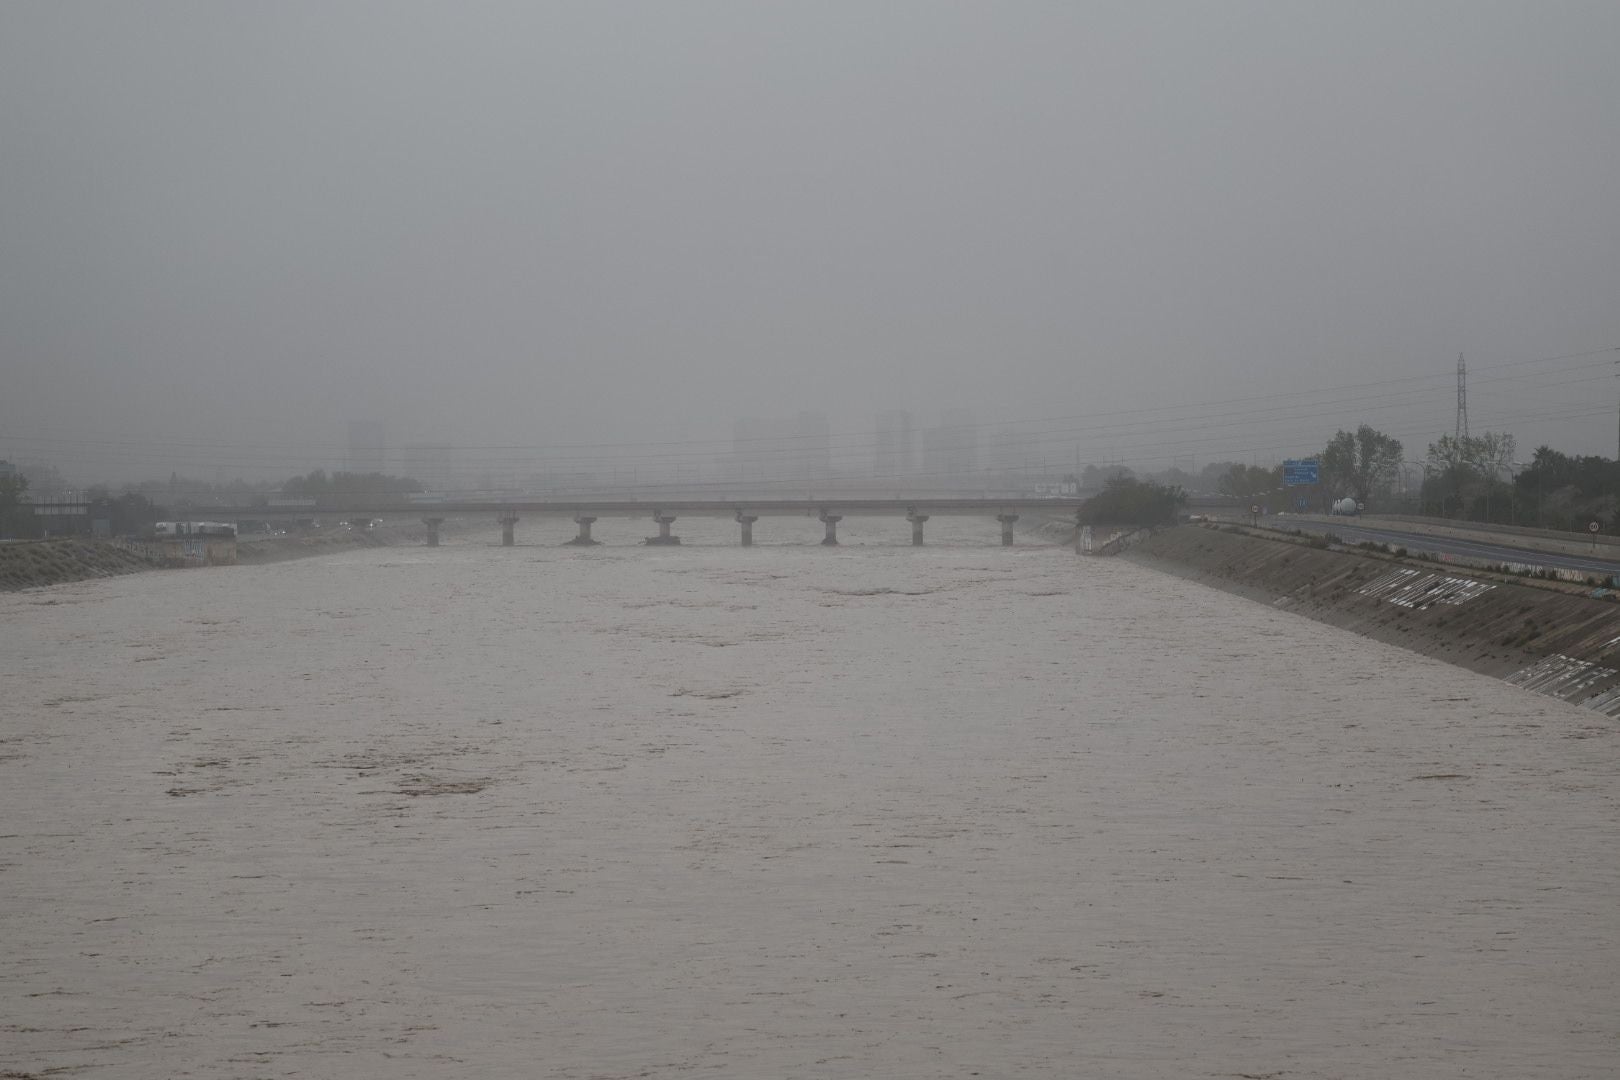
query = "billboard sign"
{"x": 1299, "y": 473}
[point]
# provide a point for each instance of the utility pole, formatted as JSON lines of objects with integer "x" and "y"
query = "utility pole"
{"x": 1462, "y": 400}
{"x": 1462, "y": 433}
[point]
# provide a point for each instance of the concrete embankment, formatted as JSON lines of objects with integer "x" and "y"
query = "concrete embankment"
{"x": 281, "y": 548}
{"x": 30, "y": 564}
{"x": 1052, "y": 528}
{"x": 27, "y": 564}
{"x": 1551, "y": 637}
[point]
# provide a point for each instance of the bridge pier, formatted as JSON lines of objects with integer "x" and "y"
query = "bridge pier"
{"x": 831, "y": 521}
{"x": 916, "y": 520}
{"x": 433, "y": 530}
{"x": 1006, "y": 528}
{"x": 584, "y": 521}
{"x": 747, "y": 523}
{"x": 508, "y": 527}
{"x": 664, "y": 522}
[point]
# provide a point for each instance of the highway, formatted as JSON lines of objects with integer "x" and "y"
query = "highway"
{"x": 1445, "y": 545}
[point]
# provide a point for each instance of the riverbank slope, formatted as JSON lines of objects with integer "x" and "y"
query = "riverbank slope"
{"x": 27, "y": 564}
{"x": 1556, "y": 638}
{"x": 30, "y": 564}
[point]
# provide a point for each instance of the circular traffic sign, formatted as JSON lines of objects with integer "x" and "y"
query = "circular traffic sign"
{"x": 1593, "y": 527}
{"x": 1255, "y": 509}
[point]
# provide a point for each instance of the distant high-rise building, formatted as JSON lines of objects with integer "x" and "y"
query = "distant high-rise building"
{"x": 950, "y": 452}
{"x": 1013, "y": 455}
{"x": 811, "y": 437}
{"x": 433, "y": 464}
{"x": 749, "y": 451}
{"x": 892, "y": 452}
{"x": 958, "y": 445}
{"x": 367, "y": 452}
{"x": 797, "y": 447}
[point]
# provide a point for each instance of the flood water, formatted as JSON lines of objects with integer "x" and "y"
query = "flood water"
{"x": 785, "y": 811}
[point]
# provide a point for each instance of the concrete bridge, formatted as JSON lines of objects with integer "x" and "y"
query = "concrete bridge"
{"x": 829, "y": 512}
{"x": 664, "y": 513}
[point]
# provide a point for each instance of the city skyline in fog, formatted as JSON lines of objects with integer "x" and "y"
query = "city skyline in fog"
{"x": 516, "y": 237}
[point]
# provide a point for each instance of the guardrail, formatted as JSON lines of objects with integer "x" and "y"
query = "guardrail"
{"x": 1586, "y": 537}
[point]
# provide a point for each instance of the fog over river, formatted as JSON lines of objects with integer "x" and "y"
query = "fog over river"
{"x": 786, "y": 811}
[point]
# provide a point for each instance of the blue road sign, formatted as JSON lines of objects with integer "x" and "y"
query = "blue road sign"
{"x": 1297, "y": 473}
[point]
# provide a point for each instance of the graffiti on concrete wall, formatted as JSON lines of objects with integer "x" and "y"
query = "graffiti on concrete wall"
{"x": 1418, "y": 590}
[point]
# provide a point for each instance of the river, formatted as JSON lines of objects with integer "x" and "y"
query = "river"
{"x": 785, "y": 811}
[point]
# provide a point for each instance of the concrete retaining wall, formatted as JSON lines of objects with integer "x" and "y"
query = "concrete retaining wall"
{"x": 182, "y": 551}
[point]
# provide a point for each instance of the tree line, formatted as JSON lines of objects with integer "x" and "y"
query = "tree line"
{"x": 318, "y": 483}
{"x": 125, "y": 514}
{"x": 1469, "y": 477}
{"x": 134, "y": 511}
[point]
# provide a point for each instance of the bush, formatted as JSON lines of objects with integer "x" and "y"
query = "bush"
{"x": 1127, "y": 501}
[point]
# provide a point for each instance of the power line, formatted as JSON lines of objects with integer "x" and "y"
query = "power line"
{"x": 1194, "y": 432}
{"x": 721, "y": 442}
{"x": 1207, "y": 432}
{"x": 1189, "y": 428}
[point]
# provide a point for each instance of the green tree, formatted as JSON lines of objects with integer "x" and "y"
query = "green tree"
{"x": 1567, "y": 492}
{"x": 1249, "y": 481}
{"x": 15, "y": 518}
{"x": 354, "y": 488}
{"x": 125, "y": 514}
{"x": 1094, "y": 477}
{"x": 1468, "y": 469}
{"x": 1487, "y": 453}
{"x": 1134, "y": 502}
{"x": 1360, "y": 463}
{"x": 1491, "y": 452}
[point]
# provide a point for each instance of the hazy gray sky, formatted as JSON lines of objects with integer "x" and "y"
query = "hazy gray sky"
{"x": 226, "y": 229}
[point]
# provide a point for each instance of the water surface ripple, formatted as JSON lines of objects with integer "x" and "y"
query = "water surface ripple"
{"x": 780, "y": 812}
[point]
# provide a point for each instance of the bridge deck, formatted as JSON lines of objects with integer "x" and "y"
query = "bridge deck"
{"x": 638, "y": 507}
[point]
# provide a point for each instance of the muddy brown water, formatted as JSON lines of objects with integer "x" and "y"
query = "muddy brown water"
{"x": 780, "y": 812}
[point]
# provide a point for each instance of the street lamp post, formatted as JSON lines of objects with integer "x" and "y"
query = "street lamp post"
{"x": 1521, "y": 466}
{"x": 1496, "y": 471}
{"x": 1425, "y": 467}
